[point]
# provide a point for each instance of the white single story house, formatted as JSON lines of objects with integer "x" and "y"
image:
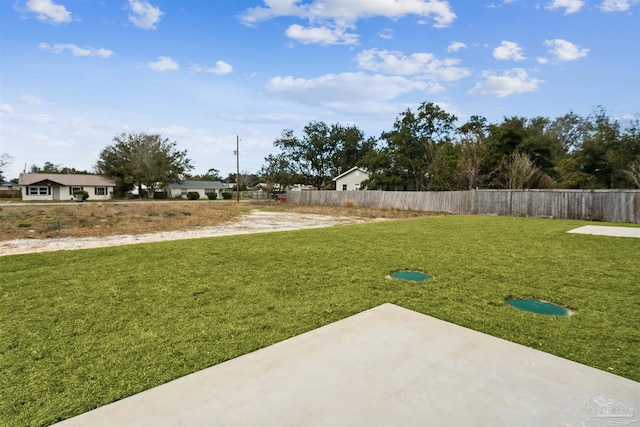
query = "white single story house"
{"x": 180, "y": 189}
{"x": 54, "y": 186}
{"x": 351, "y": 180}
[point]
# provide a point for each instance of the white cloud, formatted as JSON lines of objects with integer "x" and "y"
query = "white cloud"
{"x": 456, "y": 46}
{"x": 40, "y": 118}
{"x": 509, "y": 83}
{"x": 508, "y": 51}
{"x": 6, "y": 108}
{"x": 144, "y": 15}
{"x": 321, "y": 35}
{"x": 31, "y": 99}
{"x": 424, "y": 65}
{"x": 48, "y": 11}
{"x": 542, "y": 60}
{"x": 75, "y": 50}
{"x": 615, "y": 5}
{"x": 222, "y": 68}
{"x": 569, "y": 6}
{"x": 350, "y": 11}
{"x": 563, "y": 50}
{"x": 386, "y": 34}
{"x": 164, "y": 63}
{"x": 332, "y": 89}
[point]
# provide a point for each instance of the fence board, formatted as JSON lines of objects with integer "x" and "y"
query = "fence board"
{"x": 596, "y": 205}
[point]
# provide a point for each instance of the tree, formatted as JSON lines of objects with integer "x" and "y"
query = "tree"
{"x": 598, "y": 157}
{"x": 411, "y": 145}
{"x": 143, "y": 160}
{"x": 323, "y": 152}
{"x": 351, "y": 147}
{"x": 48, "y": 167}
{"x": 473, "y": 152}
{"x": 278, "y": 172}
{"x": 518, "y": 171}
{"x": 5, "y": 159}
{"x": 633, "y": 173}
{"x": 211, "y": 175}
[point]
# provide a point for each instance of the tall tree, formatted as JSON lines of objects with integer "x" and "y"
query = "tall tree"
{"x": 143, "y": 160}
{"x": 473, "y": 152}
{"x": 5, "y": 159}
{"x": 48, "y": 167}
{"x": 351, "y": 147}
{"x": 411, "y": 145}
{"x": 278, "y": 172}
{"x": 597, "y": 157}
{"x": 321, "y": 153}
{"x": 211, "y": 175}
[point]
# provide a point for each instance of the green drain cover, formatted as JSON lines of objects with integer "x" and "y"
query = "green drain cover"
{"x": 539, "y": 307}
{"x": 410, "y": 276}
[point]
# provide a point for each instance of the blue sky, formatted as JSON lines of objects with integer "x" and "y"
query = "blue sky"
{"x": 76, "y": 73}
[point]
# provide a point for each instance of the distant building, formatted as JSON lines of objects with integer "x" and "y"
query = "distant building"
{"x": 351, "y": 180}
{"x": 180, "y": 189}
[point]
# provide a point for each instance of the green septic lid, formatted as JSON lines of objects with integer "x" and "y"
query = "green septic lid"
{"x": 539, "y": 307}
{"x": 411, "y": 276}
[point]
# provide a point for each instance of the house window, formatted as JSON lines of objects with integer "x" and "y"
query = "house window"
{"x": 72, "y": 190}
{"x": 100, "y": 191}
{"x": 344, "y": 187}
{"x": 38, "y": 191}
{"x": 183, "y": 192}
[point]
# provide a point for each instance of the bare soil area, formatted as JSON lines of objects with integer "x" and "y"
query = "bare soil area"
{"x": 52, "y": 227}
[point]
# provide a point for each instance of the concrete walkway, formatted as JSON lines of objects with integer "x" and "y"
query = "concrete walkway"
{"x": 606, "y": 230}
{"x": 387, "y": 366}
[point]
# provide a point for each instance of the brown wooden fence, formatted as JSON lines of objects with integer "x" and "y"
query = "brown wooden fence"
{"x": 596, "y": 205}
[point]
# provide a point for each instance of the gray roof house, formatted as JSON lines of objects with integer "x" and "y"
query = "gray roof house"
{"x": 53, "y": 186}
{"x": 351, "y": 180}
{"x": 180, "y": 189}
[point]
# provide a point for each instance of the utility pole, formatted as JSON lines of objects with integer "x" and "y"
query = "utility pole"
{"x": 238, "y": 167}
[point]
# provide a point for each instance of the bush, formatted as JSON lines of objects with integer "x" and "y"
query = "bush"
{"x": 212, "y": 196}
{"x": 193, "y": 195}
{"x": 226, "y": 195}
{"x": 160, "y": 195}
{"x": 78, "y": 193}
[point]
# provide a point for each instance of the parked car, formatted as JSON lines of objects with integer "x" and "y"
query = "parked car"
{"x": 281, "y": 197}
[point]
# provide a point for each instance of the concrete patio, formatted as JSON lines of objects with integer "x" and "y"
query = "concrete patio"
{"x": 387, "y": 366}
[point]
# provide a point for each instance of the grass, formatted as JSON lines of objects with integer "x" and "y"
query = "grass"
{"x": 81, "y": 329}
{"x": 104, "y": 219}
{"x": 19, "y": 221}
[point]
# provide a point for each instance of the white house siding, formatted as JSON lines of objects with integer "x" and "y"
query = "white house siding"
{"x": 351, "y": 180}
{"x": 175, "y": 192}
{"x": 63, "y": 193}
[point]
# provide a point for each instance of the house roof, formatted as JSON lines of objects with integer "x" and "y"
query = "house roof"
{"x": 198, "y": 184}
{"x": 65, "y": 179}
{"x": 353, "y": 169}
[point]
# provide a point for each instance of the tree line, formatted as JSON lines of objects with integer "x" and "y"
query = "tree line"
{"x": 426, "y": 151}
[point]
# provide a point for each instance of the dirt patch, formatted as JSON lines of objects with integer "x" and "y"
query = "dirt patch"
{"x": 253, "y": 222}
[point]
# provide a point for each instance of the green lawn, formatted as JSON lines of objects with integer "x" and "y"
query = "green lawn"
{"x": 80, "y": 329}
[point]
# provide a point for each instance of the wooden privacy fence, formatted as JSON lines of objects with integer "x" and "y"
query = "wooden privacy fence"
{"x": 595, "y": 205}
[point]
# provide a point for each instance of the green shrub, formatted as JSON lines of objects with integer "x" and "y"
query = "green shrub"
{"x": 212, "y": 196}
{"x": 226, "y": 195}
{"x": 78, "y": 193}
{"x": 160, "y": 195}
{"x": 193, "y": 195}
